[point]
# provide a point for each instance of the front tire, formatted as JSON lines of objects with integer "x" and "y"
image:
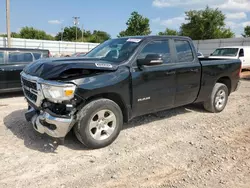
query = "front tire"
{"x": 218, "y": 99}
{"x": 99, "y": 124}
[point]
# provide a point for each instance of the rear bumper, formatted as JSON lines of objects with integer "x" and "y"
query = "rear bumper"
{"x": 45, "y": 123}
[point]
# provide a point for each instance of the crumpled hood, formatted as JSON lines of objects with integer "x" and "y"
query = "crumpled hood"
{"x": 53, "y": 68}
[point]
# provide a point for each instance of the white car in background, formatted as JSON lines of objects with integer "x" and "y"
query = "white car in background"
{"x": 234, "y": 52}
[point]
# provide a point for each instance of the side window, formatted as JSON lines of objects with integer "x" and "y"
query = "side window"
{"x": 1, "y": 57}
{"x": 241, "y": 54}
{"x": 20, "y": 57}
{"x": 184, "y": 51}
{"x": 157, "y": 47}
{"x": 37, "y": 55}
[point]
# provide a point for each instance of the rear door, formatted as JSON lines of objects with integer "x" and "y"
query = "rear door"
{"x": 16, "y": 61}
{"x": 188, "y": 73}
{"x": 153, "y": 86}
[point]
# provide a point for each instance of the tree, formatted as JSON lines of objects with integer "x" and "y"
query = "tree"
{"x": 169, "y": 32}
{"x": 15, "y": 35}
{"x": 32, "y": 33}
{"x": 205, "y": 24}
{"x": 69, "y": 34}
{"x": 246, "y": 31}
{"x": 136, "y": 25}
{"x": 99, "y": 36}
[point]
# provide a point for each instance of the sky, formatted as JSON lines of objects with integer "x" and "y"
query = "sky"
{"x": 111, "y": 15}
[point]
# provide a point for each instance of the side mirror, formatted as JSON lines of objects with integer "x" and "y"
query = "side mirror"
{"x": 150, "y": 60}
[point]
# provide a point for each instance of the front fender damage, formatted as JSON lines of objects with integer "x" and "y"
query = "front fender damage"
{"x": 57, "y": 119}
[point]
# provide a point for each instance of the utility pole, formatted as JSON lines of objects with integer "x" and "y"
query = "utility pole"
{"x": 8, "y": 22}
{"x": 62, "y": 30}
{"x": 76, "y": 22}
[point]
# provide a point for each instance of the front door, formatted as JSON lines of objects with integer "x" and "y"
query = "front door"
{"x": 188, "y": 73}
{"x": 153, "y": 86}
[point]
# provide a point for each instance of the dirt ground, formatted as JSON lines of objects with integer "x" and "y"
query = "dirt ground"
{"x": 183, "y": 147}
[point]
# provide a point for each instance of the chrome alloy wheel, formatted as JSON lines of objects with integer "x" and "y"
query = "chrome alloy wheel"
{"x": 220, "y": 99}
{"x": 102, "y": 124}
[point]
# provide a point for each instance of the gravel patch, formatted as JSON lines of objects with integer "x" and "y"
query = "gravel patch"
{"x": 182, "y": 147}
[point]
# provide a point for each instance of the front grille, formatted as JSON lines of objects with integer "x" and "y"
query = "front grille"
{"x": 30, "y": 95}
{"x": 30, "y": 89}
{"x": 29, "y": 84}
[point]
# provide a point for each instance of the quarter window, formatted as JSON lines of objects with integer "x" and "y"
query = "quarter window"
{"x": 157, "y": 47}
{"x": 37, "y": 55}
{"x": 184, "y": 51}
{"x": 241, "y": 54}
{"x": 45, "y": 54}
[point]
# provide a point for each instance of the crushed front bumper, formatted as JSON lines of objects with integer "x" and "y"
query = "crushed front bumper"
{"x": 44, "y": 122}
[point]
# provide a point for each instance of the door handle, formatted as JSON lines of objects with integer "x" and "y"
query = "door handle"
{"x": 170, "y": 72}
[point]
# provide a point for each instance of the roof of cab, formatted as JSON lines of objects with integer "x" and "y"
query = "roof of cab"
{"x": 157, "y": 36}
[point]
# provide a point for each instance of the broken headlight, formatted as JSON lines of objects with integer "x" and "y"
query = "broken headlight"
{"x": 58, "y": 93}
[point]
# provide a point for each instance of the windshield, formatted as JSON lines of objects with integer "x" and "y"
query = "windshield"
{"x": 115, "y": 50}
{"x": 225, "y": 52}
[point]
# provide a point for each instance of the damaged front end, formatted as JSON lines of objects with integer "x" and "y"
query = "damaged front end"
{"x": 50, "y": 93}
{"x": 52, "y": 105}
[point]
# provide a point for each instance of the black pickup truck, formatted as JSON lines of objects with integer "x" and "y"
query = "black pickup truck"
{"x": 119, "y": 80}
{"x": 12, "y": 62}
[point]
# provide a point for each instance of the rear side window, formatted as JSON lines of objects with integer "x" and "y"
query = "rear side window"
{"x": 241, "y": 53}
{"x": 46, "y": 54}
{"x": 20, "y": 57}
{"x": 37, "y": 55}
{"x": 1, "y": 57}
{"x": 157, "y": 47}
{"x": 184, "y": 51}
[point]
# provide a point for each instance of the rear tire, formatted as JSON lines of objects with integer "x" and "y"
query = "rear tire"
{"x": 99, "y": 124}
{"x": 218, "y": 99}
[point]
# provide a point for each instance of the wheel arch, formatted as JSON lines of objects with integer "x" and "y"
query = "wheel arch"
{"x": 115, "y": 98}
{"x": 227, "y": 81}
